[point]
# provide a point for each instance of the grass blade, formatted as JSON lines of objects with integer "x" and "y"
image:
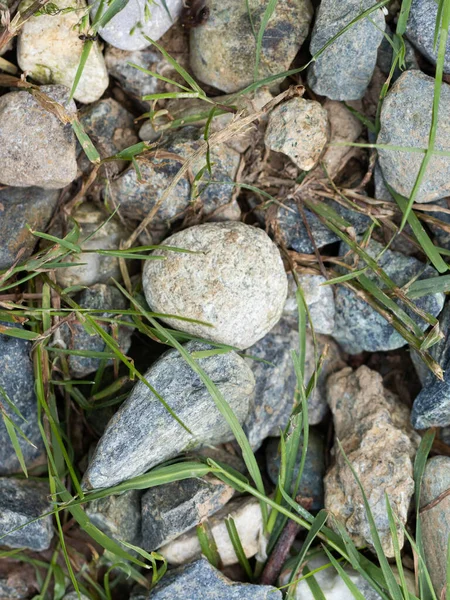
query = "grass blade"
{"x": 208, "y": 544}
{"x": 237, "y": 545}
{"x": 259, "y": 38}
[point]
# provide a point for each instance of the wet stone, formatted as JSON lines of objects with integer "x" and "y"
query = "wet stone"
{"x": 118, "y": 516}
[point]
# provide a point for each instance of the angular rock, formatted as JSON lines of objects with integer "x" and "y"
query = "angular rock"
{"x": 343, "y": 71}
{"x": 172, "y": 509}
{"x": 358, "y": 326}
{"x": 201, "y": 580}
{"x": 143, "y": 433}
{"x": 49, "y": 48}
{"x": 75, "y": 336}
{"x": 373, "y": 428}
{"x": 276, "y": 381}
{"x": 222, "y": 50}
{"x": 405, "y": 121}
{"x": 118, "y": 516}
{"x": 20, "y": 207}
{"x": 435, "y": 521}
{"x": 311, "y": 484}
{"x": 246, "y": 513}
{"x": 420, "y": 30}
{"x": 298, "y": 128}
{"x": 36, "y": 149}
{"x": 21, "y": 501}
{"x": 236, "y": 282}
{"x": 17, "y": 381}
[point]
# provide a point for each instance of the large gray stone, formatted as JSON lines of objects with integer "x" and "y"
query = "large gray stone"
{"x": 36, "y": 149}
{"x": 360, "y": 327}
{"x": 17, "y": 381}
{"x": 405, "y": 121}
{"x": 143, "y": 433}
{"x": 343, "y": 71}
{"x": 235, "y": 282}
{"x": 200, "y": 580}
{"x": 21, "y": 501}
{"x": 420, "y": 30}
{"x": 118, "y": 516}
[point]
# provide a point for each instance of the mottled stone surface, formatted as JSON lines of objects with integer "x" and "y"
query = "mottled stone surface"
{"x": 236, "y": 282}
{"x": 201, "y": 580}
{"x": 118, "y": 516}
{"x": 75, "y": 336}
{"x": 343, "y": 71}
{"x": 35, "y": 147}
{"x": 420, "y": 30}
{"x": 222, "y": 51}
{"x": 143, "y": 433}
{"x": 21, "y": 501}
{"x": 20, "y": 207}
{"x": 435, "y": 522}
{"x": 49, "y": 49}
{"x": 75, "y": 596}
{"x": 311, "y": 483}
{"x": 360, "y": 327}
{"x": 276, "y": 381}
{"x": 246, "y": 513}
{"x": 15, "y": 583}
{"x": 129, "y": 29}
{"x": 172, "y": 509}
{"x": 368, "y": 421}
{"x": 17, "y": 380}
{"x": 405, "y": 121}
{"x": 298, "y": 128}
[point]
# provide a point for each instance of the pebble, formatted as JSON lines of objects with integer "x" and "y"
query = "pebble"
{"x": 247, "y": 516}
{"x": 20, "y": 207}
{"x": 239, "y": 285}
{"x": 49, "y": 49}
{"x": 435, "y": 522}
{"x": 329, "y": 75}
{"x": 368, "y": 419}
{"x": 405, "y": 121}
{"x": 75, "y": 337}
{"x": 143, "y": 433}
{"x": 222, "y": 50}
{"x": 276, "y": 382}
{"x": 311, "y": 484}
{"x": 201, "y": 580}
{"x": 36, "y": 149}
{"x": 129, "y": 29}
{"x": 358, "y": 326}
{"x": 119, "y": 517}
{"x": 172, "y": 509}
{"x": 21, "y": 501}
{"x": 17, "y": 380}
{"x": 420, "y": 30}
{"x": 298, "y": 128}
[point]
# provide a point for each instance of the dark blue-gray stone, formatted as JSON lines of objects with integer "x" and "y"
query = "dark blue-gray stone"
{"x": 201, "y": 581}
{"x": 385, "y": 56}
{"x": 22, "y": 500}
{"x": 311, "y": 484}
{"x": 343, "y": 71}
{"x": 360, "y": 327}
{"x": 420, "y": 30}
{"x": 17, "y": 382}
{"x": 440, "y": 236}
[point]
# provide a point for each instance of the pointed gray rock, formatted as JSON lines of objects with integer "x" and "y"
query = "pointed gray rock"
{"x": 118, "y": 516}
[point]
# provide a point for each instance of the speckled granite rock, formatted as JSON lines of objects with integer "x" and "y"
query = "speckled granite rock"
{"x": 318, "y": 297}
{"x": 143, "y": 433}
{"x": 298, "y": 128}
{"x": 368, "y": 419}
{"x": 118, "y": 516}
{"x": 75, "y": 336}
{"x": 16, "y": 582}
{"x": 420, "y": 30}
{"x": 49, "y": 49}
{"x": 35, "y": 147}
{"x": 273, "y": 401}
{"x": 20, "y": 207}
{"x": 435, "y": 522}
{"x": 21, "y": 501}
{"x": 311, "y": 483}
{"x": 75, "y": 596}
{"x": 201, "y": 580}
{"x": 239, "y": 285}
{"x": 172, "y": 509}
{"x": 222, "y": 50}
{"x": 358, "y": 326}
{"x": 17, "y": 380}
{"x": 405, "y": 121}
{"x": 345, "y": 79}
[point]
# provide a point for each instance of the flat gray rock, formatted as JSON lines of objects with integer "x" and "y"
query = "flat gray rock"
{"x": 118, "y": 516}
{"x": 143, "y": 434}
{"x": 343, "y": 71}
{"x": 420, "y": 30}
{"x": 21, "y": 501}
{"x": 405, "y": 121}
